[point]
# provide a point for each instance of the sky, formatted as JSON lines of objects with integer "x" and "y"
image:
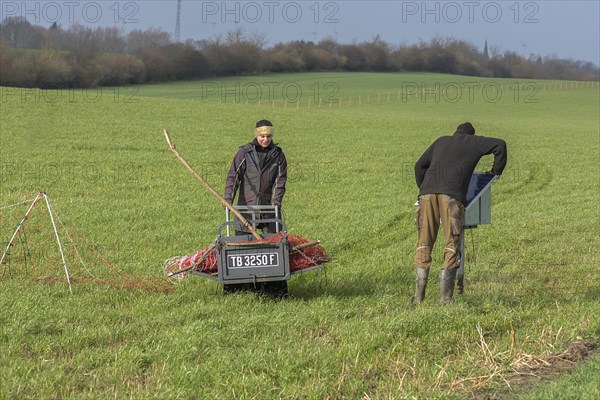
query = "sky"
{"x": 565, "y": 29}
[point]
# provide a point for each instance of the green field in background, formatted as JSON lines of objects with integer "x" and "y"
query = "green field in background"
{"x": 349, "y": 331}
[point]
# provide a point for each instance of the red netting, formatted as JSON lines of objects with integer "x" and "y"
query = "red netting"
{"x": 119, "y": 281}
{"x": 304, "y": 254}
{"x": 307, "y": 255}
{"x": 206, "y": 260}
{"x": 34, "y": 253}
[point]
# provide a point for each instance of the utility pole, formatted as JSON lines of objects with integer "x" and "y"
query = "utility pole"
{"x": 178, "y": 22}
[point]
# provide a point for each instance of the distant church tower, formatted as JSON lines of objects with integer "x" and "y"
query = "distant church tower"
{"x": 485, "y": 51}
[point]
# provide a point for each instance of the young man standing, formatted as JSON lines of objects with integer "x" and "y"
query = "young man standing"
{"x": 259, "y": 173}
{"x": 442, "y": 174}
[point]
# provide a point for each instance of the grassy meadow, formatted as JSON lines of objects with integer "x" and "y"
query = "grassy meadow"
{"x": 346, "y": 332}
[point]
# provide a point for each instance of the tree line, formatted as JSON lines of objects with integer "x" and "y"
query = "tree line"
{"x": 81, "y": 56}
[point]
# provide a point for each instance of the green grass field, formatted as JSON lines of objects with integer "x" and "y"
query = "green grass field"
{"x": 349, "y": 331}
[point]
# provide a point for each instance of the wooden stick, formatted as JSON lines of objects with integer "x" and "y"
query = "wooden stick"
{"x": 295, "y": 248}
{"x": 304, "y": 245}
{"x": 210, "y": 189}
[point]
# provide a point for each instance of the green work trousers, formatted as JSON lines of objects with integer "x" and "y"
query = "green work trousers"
{"x": 433, "y": 209}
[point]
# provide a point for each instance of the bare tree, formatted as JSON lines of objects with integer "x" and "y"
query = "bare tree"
{"x": 138, "y": 40}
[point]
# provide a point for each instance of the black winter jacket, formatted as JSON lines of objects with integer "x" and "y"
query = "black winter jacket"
{"x": 447, "y": 165}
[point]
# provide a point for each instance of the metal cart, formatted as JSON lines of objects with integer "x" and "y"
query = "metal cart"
{"x": 241, "y": 259}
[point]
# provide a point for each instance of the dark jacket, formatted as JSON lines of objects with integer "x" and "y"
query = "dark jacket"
{"x": 259, "y": 174}
{"x": 447, "y": 165}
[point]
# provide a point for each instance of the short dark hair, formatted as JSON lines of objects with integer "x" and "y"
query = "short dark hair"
{"x": 466, "y": 128}
{"x": 263, "y": 122}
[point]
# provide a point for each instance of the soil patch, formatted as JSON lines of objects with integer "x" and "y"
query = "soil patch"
{"x": 530, "y": 371}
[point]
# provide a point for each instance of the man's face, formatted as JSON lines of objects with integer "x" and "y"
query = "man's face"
{"x": 264, "y": 140}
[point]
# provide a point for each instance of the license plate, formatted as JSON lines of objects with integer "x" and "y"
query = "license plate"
{"x": 253, "y": 260}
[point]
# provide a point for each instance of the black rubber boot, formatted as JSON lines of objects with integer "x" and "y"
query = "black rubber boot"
{"x": 460, "y": 283}
{"x": 422, "y": 277}
{"x": 447, "y": 277}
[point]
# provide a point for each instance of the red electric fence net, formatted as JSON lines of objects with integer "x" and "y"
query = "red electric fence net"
{"x": 30, "y": 250}
{"x": 304, "y": 254}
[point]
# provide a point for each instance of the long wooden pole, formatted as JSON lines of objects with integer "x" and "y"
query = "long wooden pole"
{"x": 210, "y": 188}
